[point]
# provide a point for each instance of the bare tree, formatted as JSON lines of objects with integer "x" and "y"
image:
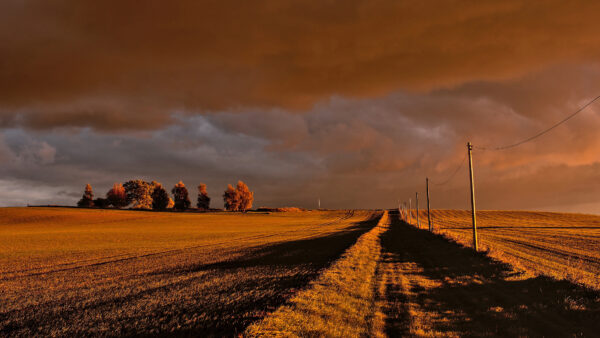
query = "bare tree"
{"x": 203, "y": 199}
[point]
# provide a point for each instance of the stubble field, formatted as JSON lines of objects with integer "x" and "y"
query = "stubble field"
{"x": 74, "y": 272}
{"x": 560, "y": 245}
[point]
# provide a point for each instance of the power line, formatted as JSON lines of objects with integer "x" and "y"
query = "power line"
{"x": 543, "y": 131}
{"x": 453, "y": 174}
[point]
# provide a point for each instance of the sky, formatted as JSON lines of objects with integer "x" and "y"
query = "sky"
{"x": 353, "y": 102}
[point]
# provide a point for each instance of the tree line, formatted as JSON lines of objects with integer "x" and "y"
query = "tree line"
{"x": 139, "y": 194}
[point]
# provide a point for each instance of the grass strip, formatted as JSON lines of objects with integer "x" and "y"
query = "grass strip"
{"x": 342, "y": 302}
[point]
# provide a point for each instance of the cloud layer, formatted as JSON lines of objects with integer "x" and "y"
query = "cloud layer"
{"x": 122, "y": 65}
{"x": 355, "y": 102}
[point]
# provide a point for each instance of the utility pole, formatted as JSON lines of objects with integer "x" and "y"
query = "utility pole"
{"x": 400, "y": 209}
{"x": 409, "y": 211}
{"x": 470, "y": 149}
{"x": 428, "y": 213}
{"x": 417, "y": 197}
{"x": 319, "y": 202}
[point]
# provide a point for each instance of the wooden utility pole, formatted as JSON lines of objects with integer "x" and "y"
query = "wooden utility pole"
{"x": 428, "y": 211}
{"x": 417, "y": 197}
{"x": 410, "y": 211}
{"x": 470, "y": 149}
{"x": 400, "y": 208}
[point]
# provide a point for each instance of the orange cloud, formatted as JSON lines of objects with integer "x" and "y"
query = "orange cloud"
{"x": 227, "y": 55}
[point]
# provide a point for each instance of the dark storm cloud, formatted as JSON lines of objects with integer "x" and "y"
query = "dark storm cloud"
{"x": 348, "y": 152}
{"x": 128, "y": 65}
{"x": 351, "y": 101}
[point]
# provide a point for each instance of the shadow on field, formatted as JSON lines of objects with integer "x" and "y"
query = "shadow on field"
{"x": 191, "y": 298}
{"x": 267, "y": 277}
{"x": 466, "y": 293}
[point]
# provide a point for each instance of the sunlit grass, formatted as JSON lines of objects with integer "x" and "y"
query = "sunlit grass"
{"x": 342, "y": 302}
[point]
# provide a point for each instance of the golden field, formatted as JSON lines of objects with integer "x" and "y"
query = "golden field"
{"x": 80, "y": 272}
{"x": 73, "y": 272}
{"x": 560, "y": 245}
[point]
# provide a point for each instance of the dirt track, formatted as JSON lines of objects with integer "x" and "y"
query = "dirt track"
{"x": 435, "y": 287}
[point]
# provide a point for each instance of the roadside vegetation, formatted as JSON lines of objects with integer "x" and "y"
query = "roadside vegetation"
{"x": 342, "y": 302}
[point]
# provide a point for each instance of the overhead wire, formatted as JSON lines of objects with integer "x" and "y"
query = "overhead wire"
{"x": 453, "y": 174}
{"x": 513, "y": 145}
{"x": 531, "y": 138}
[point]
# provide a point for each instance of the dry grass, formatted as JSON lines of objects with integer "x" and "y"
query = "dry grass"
{"x": 342, "y": 302}
{"x": 71, "y": 272}
{"x": 559, "y": 245}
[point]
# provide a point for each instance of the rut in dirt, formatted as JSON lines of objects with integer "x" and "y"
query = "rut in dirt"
{"x": 436, "y": 287}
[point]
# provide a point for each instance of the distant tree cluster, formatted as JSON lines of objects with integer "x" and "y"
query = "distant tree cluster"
{"x": 139, "y": 194}
{"x": 238, "y": 199}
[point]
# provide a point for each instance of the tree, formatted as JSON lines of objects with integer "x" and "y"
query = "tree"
{"x": 87, "y": 200}
{"x": 102, "y": 203}
{"x": 231, "y": 197}
{"x": 180, "y": 196}
{"x": 117, "y": 196}
{"x": 130, "y": 187}
{"x": 171, "y": 204}
{"x": 160, "y": 197}
{"x": 139, "y": 193}
{"x": 246, "y": 196}
{"x": 203, "y": 199}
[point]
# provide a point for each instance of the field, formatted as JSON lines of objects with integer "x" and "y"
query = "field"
{"x": 79, "y": 272}
{"x": 561, "y": 245}
{"x": 435, "y": 287}
{"x": 74, "y": 272}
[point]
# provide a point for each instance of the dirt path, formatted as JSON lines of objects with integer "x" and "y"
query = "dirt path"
{"x": 341, "y": 302}
{"x": 438, "y": 288}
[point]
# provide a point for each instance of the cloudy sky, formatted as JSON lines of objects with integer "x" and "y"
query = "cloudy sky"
{"x": 355, "y": 102}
